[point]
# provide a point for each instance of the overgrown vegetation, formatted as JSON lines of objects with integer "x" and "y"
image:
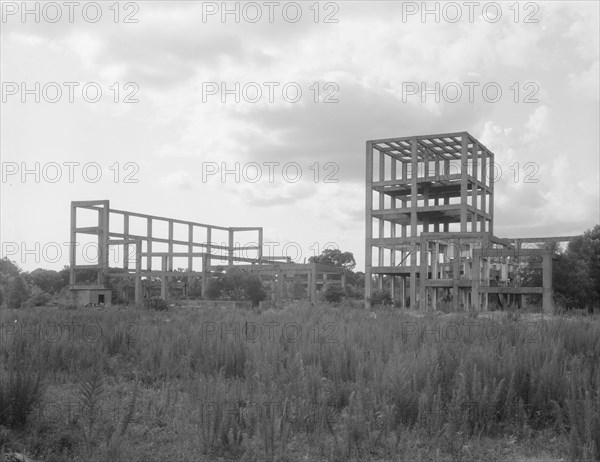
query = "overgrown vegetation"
{"x": 156, "y": 303}
{"x": 235, "y": 284}
{"x": 575, "y": 272}
{"x": 312, "y": 383}
{"x": 325, "y": 382}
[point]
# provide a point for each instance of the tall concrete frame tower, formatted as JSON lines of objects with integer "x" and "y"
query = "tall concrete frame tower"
{"x": 420, "y": 184}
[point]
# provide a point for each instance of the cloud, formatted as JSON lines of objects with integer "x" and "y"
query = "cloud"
{"x": 368, "y": 55}
{"x": 537, "y": 125}
{"x": 586, "y": 84}
{"x": 179, "y": 179}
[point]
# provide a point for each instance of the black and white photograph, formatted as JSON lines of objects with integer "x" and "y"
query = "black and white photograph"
{"x": 279, "y": 231}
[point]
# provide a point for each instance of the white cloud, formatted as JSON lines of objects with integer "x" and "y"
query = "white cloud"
{"x": 182, "y": 180}
{"x": 537, "y": 125}
{"x": 587, "y": 83}
{"x": 87, "y": 46}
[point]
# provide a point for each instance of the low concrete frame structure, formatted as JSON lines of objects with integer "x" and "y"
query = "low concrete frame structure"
{"x": 314, "y": 276}
{"x": 141, "y": 245}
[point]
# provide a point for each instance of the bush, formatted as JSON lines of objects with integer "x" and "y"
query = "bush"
{"x": 236, "y": 285}
{"x": 334, "y": 294}
{"x": 38, "y": 298}
{"x": 19, "y": 393}
{"x": 298, "y": 290}
{"x": 195, "y": 290}
{"x": 380, "y": 297}
{"x": 18, "y": 292}
{"x": 67, "y": 304}
{"x": 156, "y": 303}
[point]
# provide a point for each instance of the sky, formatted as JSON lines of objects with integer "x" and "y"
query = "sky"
{"x": 257, "y": 113}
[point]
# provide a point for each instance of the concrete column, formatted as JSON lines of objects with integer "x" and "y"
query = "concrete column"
{"x": 475, "y": 188}
{"x": 163, "y": 278}
{"x": 126, "y": 244}
{"x": 476, "y": 277}
{"x": 170, "y": 246}
{"x": 138, "y": 272}
{"x": 491, "y": 212}
{"x": 149, "y": 246}
{"x": 423, "y": 305}
{"x": 230, "y": 248}
{"x": 456, "y": 275}
{"x": 403, "y": 291}
{"x": 368, "y": 225}
{"x": 446, "y": 199}
{"x": 73, "y": 245}
{"x": 205, "y": 273}
{"x": 280, "y": 278}
{"x": 190, "y": 263}
{"x": 313, "y": 286}
{"x": 413, "y": 220}
{"x": 547, "y": 283}
{"x": 485, "y": 180}
{"x": 463, "y": 182}
{"x": 486, "y": 275}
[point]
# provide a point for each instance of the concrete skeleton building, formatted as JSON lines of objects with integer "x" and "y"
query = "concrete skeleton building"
{"x": 429, "y": 231}
{"x": 147, "y": 247}
{"x": 430, "y": 225}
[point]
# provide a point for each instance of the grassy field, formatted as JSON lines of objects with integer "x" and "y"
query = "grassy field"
{"x": 306, "y": 383}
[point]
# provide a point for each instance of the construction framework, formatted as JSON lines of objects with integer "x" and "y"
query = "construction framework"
{"x": 199, "y": 253}
{"x": 430, "y": 223}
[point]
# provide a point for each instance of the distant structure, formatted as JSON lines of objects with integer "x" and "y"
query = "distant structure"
{"x": 430, "y": 223}
{"x": 141, "y": 250}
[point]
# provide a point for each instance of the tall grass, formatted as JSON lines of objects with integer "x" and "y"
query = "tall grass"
{"x": 346, "y": 383}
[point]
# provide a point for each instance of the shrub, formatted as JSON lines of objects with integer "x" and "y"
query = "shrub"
{"x": 236, "y": 285}
{"x": 380, "y": 297}
{"x": 334, "y": 294}
{"x": 18, "y": 292}
{"x": 298, "y": 290}
{"x": 38, "y": 297}
{"x": 156, "y": 303}
{"x": 67, "y": 304}
{"x": 20, "y": 392}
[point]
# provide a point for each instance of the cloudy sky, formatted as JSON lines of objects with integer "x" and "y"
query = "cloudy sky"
{"x": 146, "y": 103}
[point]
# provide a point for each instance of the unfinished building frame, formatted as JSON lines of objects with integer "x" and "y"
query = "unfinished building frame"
{"x": 430, "y": 224}
{"x": 200, "y": 248}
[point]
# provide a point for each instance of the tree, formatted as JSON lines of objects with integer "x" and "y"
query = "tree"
{"x": 38, "y": 297}
{"x": 9, "y": 268}
{"x": 47, "y": 280}
{"x": 65, "y": 275}
{"x": 214, "y": 288}
{"x": 236, "y": 284}
{"x": 254, "y": 289}
{"x": 195, "y": 289}
{"x": 356, "y": 279}
{"x": 335, "y": 257}
{"x": 18, "y": 292}
{"x": 8, "y": 271}
{"x": 575, "y": 272}
{"x": 334, "y": 294}
{"x": 298, "y": 290}
{"x": 380, "y": 297}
